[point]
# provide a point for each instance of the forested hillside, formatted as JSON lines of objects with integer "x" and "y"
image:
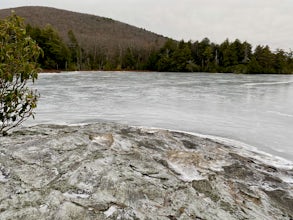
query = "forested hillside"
{"x": 75, "y": 41}
{"x": 100, "y": 39}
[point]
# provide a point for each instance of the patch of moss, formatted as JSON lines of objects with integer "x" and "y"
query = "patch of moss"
{"x": 226, "y": 206}
{"x": 189, "y": 144}
{"x": 237, "y": 170}
{"x": 203, "y": 186}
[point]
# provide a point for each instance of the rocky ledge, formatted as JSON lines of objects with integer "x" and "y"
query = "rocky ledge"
{"x": 111, "y": 171}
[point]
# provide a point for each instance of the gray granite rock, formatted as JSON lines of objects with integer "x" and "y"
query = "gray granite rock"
{"x": 111, "y": 171}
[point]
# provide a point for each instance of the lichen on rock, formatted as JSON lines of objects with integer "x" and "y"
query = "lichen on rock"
{"x": 113, "y": 171}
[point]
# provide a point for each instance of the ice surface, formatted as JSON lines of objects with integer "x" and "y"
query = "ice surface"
{"x": 255, "y": 109}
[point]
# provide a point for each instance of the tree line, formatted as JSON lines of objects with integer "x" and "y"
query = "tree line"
{"x": 174, "y": 56}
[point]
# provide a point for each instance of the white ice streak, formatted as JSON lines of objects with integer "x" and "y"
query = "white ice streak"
{"x": 110, "y": 211}
{"x": 187, "y": 172}
{"x": 3, "y": 178}
{"x": 286, "y": 179}
{"x": 280, "y": 113}
{"x": 268, "y": 83}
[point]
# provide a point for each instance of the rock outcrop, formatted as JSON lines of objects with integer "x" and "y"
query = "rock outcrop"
{"x": 111, "y": 171}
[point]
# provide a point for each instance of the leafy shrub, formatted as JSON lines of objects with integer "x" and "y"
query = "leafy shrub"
{"x": 18, "y": 65}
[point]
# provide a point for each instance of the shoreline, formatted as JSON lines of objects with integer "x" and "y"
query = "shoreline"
{"x": 284, "y": 162}
{"x": 254, "y": 151}
{"x": 149, "y": 71}
{"x": 251, "y": 150}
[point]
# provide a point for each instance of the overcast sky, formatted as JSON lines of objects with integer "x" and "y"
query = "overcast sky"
{"x": 256, "y": 21}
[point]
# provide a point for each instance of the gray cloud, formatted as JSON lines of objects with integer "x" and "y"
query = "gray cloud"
{"x": 256, "y": 21}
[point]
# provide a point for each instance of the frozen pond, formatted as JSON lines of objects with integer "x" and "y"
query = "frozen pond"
{"x": 253, "y": 109}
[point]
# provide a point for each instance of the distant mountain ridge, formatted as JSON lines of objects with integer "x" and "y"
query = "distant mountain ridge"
{"x": 90, "y": 30}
